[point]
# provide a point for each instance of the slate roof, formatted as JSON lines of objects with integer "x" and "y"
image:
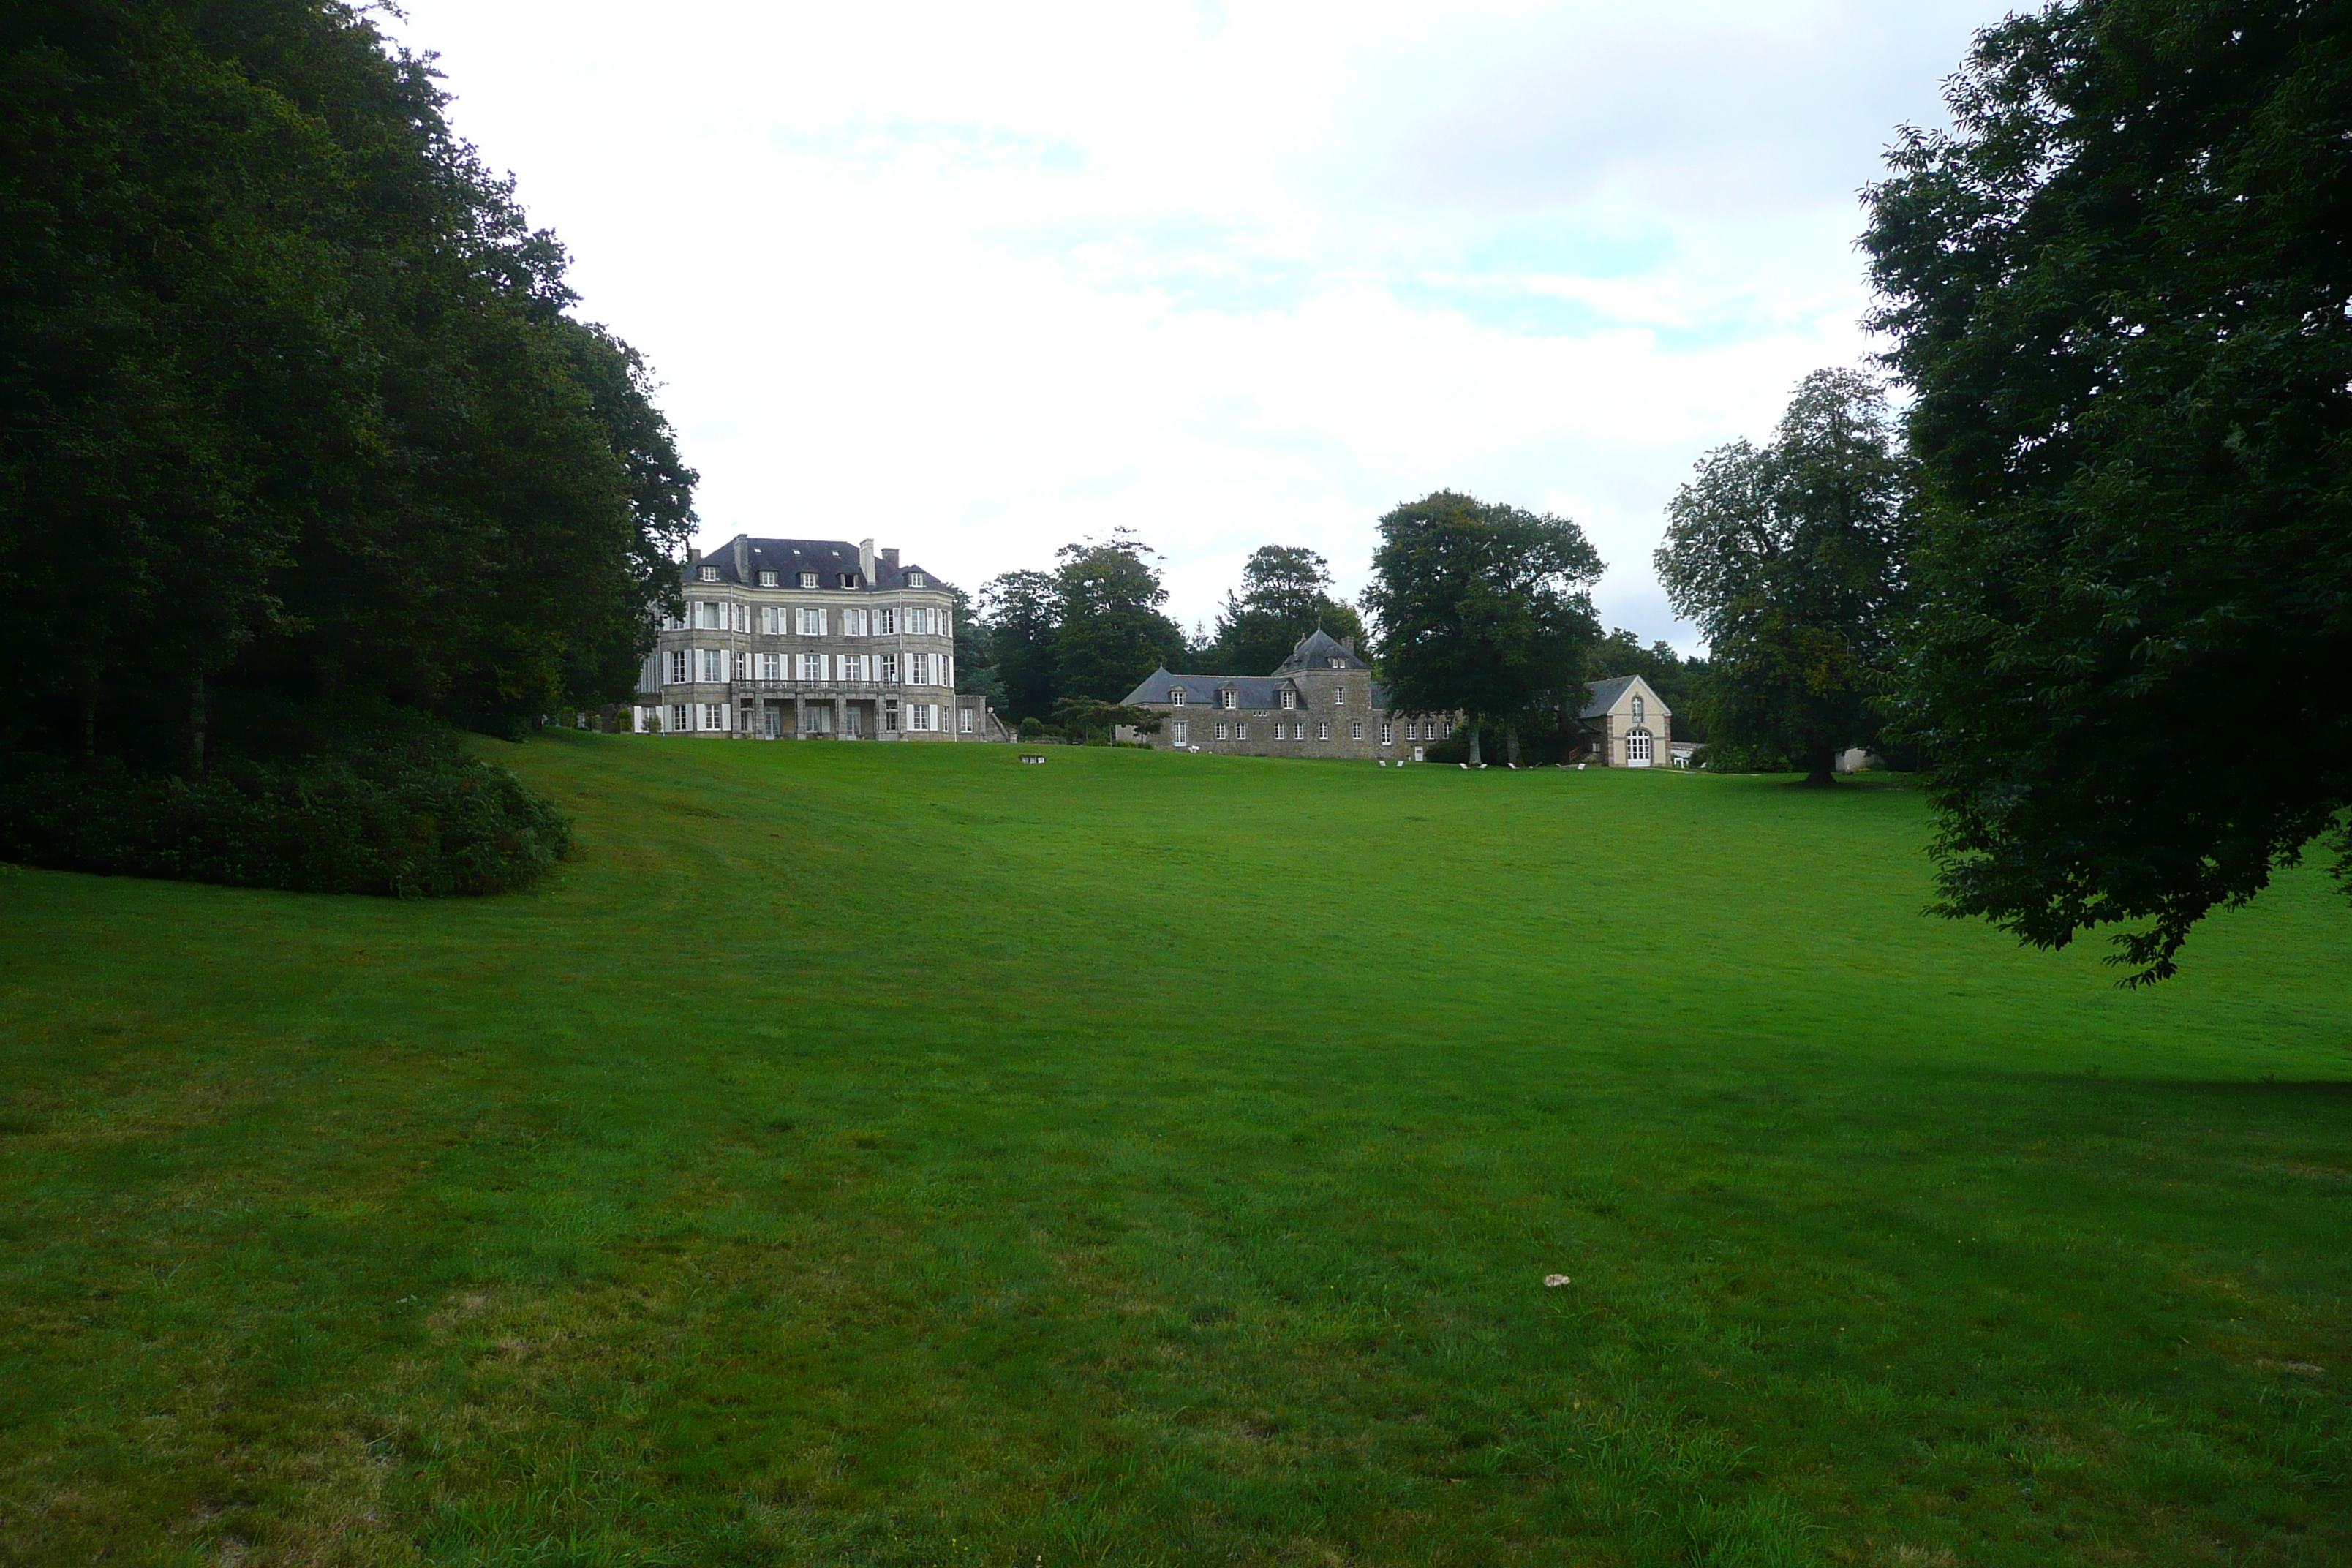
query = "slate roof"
{"x": 1316, "y": 651}
{"x": 1606, "y": 692}
{"x": 828, "y": 558}
{"x": 1254, "y": 691}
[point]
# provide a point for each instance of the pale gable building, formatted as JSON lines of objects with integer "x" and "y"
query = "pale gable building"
{"x": 1626, "y": 725}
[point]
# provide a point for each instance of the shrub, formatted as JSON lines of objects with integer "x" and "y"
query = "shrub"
{"x": 407, "y": 813}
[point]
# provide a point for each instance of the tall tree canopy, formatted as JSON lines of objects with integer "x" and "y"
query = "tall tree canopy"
{"x": 2121, "y": 288}
{"x": 1111, "y": 631}
{"x": 1791, "y": 559}
{"x": 1485, "y": 610}
{"x": 1022, "y": 612}
{"x": 292, "y": 397}
{"x": 1286, "y": 594}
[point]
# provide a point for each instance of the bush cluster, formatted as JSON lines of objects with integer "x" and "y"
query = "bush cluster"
{"x": 405, "y": 814}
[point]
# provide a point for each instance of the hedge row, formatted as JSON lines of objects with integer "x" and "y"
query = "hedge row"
{"x": 407, "y": 815}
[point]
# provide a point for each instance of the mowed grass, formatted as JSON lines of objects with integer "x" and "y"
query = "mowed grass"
{"x": 871, "y": 1155}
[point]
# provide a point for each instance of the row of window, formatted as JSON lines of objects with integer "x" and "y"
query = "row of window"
{"x": 1177, "y": 698}
{"x": 720, "y": 664}
{"x": 809, "y": 620}
{"x": 719, "y": 718}
{"x": 805, "y": 579}
{"x": 1180, "y": 732}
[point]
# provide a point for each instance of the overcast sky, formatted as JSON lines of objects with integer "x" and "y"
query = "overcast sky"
{"x": 978, "y": 280}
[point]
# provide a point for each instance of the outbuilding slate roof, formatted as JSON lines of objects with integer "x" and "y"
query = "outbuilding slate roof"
{"x": 1253, "y": 691}
{"x": 1605, "y": 694}
{"x": 790, "y": 557}
{"x": 1316, "y": 651}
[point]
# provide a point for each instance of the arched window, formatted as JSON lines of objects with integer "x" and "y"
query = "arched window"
{"x": 1637, "y": 748}
{"x": 1638, "y": 714}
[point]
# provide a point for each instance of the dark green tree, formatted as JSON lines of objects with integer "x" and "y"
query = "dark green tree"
{"x": 1084, "y": 717}
{"x": 287, "y": 367}
{"x": 1483, "y": 610}
{"x": 1286, "y": 594}
{"x": 1021, "y": 610}
{"x": 1109, "y": 631}
{"x": 2118, "y": 289}
{"x": 1791, "y": 559}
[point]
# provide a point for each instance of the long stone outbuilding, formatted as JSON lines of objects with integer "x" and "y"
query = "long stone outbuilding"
{"x": 1321, "y": 701}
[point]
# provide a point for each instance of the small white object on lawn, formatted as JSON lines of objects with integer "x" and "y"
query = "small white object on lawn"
{"x": 1554, "y": 1281}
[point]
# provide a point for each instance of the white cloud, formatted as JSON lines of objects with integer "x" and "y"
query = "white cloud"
{"x": 980, "y": 280}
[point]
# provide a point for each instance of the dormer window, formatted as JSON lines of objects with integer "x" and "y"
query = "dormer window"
{"x": 1338, "y": 664}
{"x": 849, "y": 579}
{"x": 1289, "y": 699}
{"x": 767, "y": 579}
{"x": 1637, "y": 711}
{"x": 915, "y": 580}
{"x": 808, "y": 579}
{"x": 1229, "y": 698}
{"x": 710, "y": 574}
{"x": 1175, "y": 697}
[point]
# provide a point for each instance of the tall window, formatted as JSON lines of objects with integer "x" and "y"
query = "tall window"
{"x": 1183, "y": 733}
{"x": 1637, "y": 711}
{"x": 714, "y": 715}
{"x": 891, "y": 717}
{"x": 889, "y": 667}
{"x": 889, "y": 623}
{"x": 1449, "y": 729}
{"x": 1289, "y": 699}
{"x": 679, "y": 673}
{"x": 714, "y": 663}
{"x": 1356, "y": 730}
{"x": 677, "y": 717}
{"x": 1175, "y": 697}
{"x": 1388, "y": 734}
{"x": 1229, "y": 698}
{"x": 919, "y": 715}
{"x": 809, "y": 623}
{"x": 966, "y": 722}
{"x": 1224, "y": 732}
{"x": 1322, "y": 731}
{"x": 1241, "y": 732}
{"x": 853, "y": 623}
{"x": 813, "y": 668}
{"x": 771, "y": 667}
{"x": 918, "y": 668}
{"x": 1338, "y": 697}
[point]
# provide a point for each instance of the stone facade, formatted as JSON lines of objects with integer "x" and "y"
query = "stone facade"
{"x": 809, "y": 639}
{"x": 1627, "y": 726}
{"x": 1321, "y": 702}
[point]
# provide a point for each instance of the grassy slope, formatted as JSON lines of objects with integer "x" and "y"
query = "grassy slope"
{"x": 900, "y": 1155}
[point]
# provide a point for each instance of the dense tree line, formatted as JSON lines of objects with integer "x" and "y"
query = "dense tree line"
{"x": 1056, "y": 646}
{"x": 293, "y": 407}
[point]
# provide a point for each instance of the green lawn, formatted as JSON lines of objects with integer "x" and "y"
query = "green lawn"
{"x": 899, "y": 1155}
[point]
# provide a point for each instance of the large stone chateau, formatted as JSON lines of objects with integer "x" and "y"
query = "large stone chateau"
{"x": 810, "y": 639}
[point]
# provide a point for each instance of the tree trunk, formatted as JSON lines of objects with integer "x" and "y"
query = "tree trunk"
{"x": 88, "y": 711}
{"x": 1474, "y": 747}
{"x": 196, "y": 724}
{"x": 1821, "y": 767}
{"x": 1511, "y": 745}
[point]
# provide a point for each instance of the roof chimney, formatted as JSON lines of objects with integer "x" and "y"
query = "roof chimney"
{"x": 692, "y": 555}
{"x": 891, "y": 557}
{"x": 865, "y": 561}
{"x": 742, "y": 559}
